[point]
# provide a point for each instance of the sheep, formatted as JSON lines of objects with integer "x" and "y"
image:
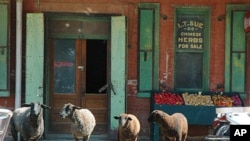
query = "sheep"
{"x": 129, "y": 127}
{"x": 28, "y": 121}
{"x": 173, "y": 126}
{"x": 83, "y": 121}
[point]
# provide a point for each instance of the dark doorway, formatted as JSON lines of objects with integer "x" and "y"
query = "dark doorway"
{"x": 96, "y": 61}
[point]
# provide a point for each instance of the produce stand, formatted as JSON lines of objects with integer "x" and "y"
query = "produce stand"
{"x": 195, "y": 114}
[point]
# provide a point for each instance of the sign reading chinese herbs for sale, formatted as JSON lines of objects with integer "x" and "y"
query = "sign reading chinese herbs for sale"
{"x": 190, "y": 32}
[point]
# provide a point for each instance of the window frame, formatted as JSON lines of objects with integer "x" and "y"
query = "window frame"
{"x": 199, "y": 11}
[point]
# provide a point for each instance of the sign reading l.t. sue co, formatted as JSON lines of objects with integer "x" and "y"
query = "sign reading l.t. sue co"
{"x": 190, "y": 32}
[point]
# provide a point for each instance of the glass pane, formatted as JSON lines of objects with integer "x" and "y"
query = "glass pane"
{"x": 64, "y": 66}
{"x": 189, "y": 70}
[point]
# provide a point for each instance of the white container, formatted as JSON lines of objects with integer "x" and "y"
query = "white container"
{"x": 5, "y": 116}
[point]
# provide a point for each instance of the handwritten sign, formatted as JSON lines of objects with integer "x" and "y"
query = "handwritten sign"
{"x": 190, "y": 32}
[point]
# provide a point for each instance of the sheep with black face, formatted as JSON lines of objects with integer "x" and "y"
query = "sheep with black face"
{"x": 129, "y": 127}
{"x": 83, "y": 121}
{"x": 28, "y": 120}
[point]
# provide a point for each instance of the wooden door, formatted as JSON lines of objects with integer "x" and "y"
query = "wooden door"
{"x": 78, "y": 71}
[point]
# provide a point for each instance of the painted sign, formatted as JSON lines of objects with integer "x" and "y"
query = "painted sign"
{"x": 190, "y": 32}
{"x": 247, "y": 22}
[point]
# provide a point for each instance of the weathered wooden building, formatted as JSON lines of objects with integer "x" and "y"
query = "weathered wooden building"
{"x": 109, "y": 55}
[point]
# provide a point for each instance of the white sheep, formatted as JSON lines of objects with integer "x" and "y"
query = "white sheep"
{"x": 83, "y": 121}
{"x": 173, "y": 126}
{"x": 28, "y": 120}
{"x": 129, "y": 127}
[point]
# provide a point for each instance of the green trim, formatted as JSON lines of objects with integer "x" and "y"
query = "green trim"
{"x": 155, "y": 7}
{"x": 229, "y": 9}
{"x": 117, "y": 69}
{"x": 202, "y": 11}
{"x": 144, "y": 94}
{"x": 4, "y": 49}
{"x": 4, "y": 25}
{"x": 4, "y": 93}
{"x": 34, "y": 76}
{"x": 74, "y": 36}
{"x": 78, "y": 17}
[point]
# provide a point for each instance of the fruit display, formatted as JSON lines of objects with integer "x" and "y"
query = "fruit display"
{"x": 197, "y": 99}
{"x": 227, "y": 101}
{"x": 169, "y": 98}
{"x": 236, "y": 100}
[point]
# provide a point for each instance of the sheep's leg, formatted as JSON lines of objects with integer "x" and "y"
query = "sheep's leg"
{"x": 14, "y": 132}
{"x": 14, "y": 135}
{"x": 133, "y": 139}
{"x": 184, "y": 137}
{"x": 75, "y": 137}
{"x": 178, "y": 138}
{"x": 86, "y": 138}
{"x": 167, "y": 138}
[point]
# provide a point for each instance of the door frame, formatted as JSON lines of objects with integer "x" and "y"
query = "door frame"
{"x": 117, "y": 91}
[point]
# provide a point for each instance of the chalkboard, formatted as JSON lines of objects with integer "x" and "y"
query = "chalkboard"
{"x": 188, "y": 70}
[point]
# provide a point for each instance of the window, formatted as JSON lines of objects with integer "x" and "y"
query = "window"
{"x": 4, "y": 49}
{"x": 191, "y": 49}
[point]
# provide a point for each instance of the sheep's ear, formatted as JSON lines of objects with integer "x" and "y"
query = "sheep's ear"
{"x": 129, "y": 118}
{"x": 45, "y": 106}
{"x": 76, "y": 107}
{"x": 26, "y": 105}
{"x": 116, "y": 117}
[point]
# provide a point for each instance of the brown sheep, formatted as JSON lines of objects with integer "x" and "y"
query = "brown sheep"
{"x": 173, "y": 126}
{"x": 129, "y": 127}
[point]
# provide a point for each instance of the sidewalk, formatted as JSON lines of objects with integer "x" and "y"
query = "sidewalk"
{"x": 68, "y": 137}
{"x": 64, "y": 137}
